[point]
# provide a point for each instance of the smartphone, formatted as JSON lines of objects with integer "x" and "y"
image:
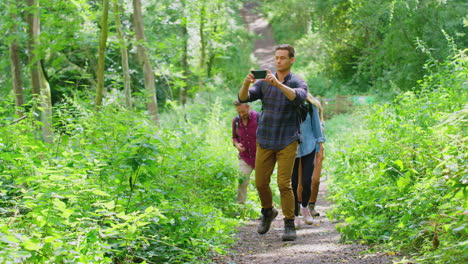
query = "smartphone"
{"x": 259, "y": 74}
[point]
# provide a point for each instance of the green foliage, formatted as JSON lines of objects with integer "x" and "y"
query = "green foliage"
{"x": 357, "y": 46}
{"x": 114, "y": 188}
{"x": 70, "y": 61}
{"x": 299, "y": 14}
{"x": 401, "y": 176}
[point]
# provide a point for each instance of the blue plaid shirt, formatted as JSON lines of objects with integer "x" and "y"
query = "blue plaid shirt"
{"x": 278, "y": 124}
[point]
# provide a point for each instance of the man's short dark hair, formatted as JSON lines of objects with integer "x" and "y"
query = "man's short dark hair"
{"x": 287, "y": 47}
{"x": 237, "y": 103}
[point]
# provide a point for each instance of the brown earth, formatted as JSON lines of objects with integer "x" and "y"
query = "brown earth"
{"x": 317, "y": 243}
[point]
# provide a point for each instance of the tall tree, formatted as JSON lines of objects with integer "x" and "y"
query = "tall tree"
{"x": 150, "y": 89}
{"x": 15, "y": 64}
{"x": 124, "y": 56}
{"x": 102, "y": 50}
{"x": 40, "y": 85}
{"x": 211, "y": 56}
{"x": 33, "y": 28}
{"x": 213, "y": 36}
{"x": 202, "y": 19}
{"x": 184, "y": 62}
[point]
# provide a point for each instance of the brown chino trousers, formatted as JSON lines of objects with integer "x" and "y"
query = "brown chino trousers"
{"x": 264, "y": 166}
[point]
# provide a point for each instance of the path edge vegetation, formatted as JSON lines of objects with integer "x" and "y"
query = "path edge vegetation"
{"x": 398, "y": 176}
{"x": 399, "y": 172}
{"x": 112, "y": 187}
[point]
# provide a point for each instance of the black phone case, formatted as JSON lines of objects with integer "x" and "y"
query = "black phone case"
{"x": 259, "y": 74}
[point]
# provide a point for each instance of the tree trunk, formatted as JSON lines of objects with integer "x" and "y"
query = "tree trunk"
{"x": 124, "y": 54}
{"x": 46, "y": 105}
{"x": 202, "y": 44}
{"x": 143, "y": 57}
{"x": 33, "y": 27}
{"x": 185, "y": 65}
{"x": 102, "y": 50}
{"x": 16, "y": 67}
{"x": 41, "y": 88}
{"x": 212, "y": 56}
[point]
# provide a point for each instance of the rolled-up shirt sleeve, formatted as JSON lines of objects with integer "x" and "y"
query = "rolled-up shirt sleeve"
{"x": 301, "y": 92}
{"x": 255, "y": 92}
{"x": 317, "y": 126}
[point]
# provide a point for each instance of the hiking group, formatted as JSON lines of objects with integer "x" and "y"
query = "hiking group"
{"x": 287, "y": 132}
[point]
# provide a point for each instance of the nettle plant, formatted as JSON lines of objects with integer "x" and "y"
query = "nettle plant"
{"x": 403, "y": 181}
{"x": 115, "y": 188}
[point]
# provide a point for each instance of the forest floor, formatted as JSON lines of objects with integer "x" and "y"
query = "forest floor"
{"x": 317, "y": 243}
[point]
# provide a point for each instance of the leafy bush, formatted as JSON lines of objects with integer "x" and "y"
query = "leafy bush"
{"x": 402, "y": 179}
{"x": 361, "y": 46}
{"x": 115, "y": 188}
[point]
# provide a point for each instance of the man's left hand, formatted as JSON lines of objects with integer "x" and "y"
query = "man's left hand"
{"x": 271, "y": 78}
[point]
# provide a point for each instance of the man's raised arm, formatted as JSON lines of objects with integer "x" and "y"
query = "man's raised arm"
{"x": 244, "y": 90}
{"x": 298, "y": 95}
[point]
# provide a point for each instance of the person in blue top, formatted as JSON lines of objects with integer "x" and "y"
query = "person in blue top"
{"x": 310, "y": 148}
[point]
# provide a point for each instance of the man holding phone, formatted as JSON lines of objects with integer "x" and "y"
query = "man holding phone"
{"x": 277, "y": 134}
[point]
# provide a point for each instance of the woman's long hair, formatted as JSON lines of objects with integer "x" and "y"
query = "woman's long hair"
{"x": 317, "y": 103}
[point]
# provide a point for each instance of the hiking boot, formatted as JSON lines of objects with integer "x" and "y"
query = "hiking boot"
{"x": 289, "y": 230}
{"x": 306, "y": 214}
{"x": 312, "y": 210}
{"x": 297, "y": 222}
{"x": 268, "y": 215}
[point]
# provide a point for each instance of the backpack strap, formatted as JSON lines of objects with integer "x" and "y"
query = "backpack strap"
{"x": 309, "y": 110}
{"x": 237, "y": 122}
{"x": 264, "y": 86}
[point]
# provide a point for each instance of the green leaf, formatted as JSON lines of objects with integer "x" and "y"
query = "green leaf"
{"x": 400, "y": 164}
{"x": 30, "y": 245}
{"x": 10, "y": 239}
{"x": 459, "y": 229}
{"x": 110, "y": 205}
{"x": 99, "y": 192}
{"x": 403, "y": 182}
{"x": 59, "y": 204}
{"x": 123, "y": 216}
{"x": 149, "y": 209}
{"x": 66, "y": 213}
{"x": 49, "y": 239}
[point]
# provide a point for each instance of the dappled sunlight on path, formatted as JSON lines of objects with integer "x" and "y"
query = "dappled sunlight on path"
{"x": 317, "y": 243}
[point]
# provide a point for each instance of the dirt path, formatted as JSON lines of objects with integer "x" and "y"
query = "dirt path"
{"x": 264, "y": 47}
{"x": 317, "y": 243}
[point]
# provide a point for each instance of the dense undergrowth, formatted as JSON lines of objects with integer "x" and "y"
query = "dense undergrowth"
{"x": 400, "y": 173}
{"x": 113, "y": 188}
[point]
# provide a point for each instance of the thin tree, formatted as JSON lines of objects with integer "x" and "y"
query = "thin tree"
{"x": 201, "y": 28}
{"x": 211, "y": 50}
{"x": 124, "y": 56}
{"x": 143, "y": 56}
{"x": 33, "y": 25}
{"x": 40, "y": 85}
{"x": 15, "y": 61}
{"x": 102, "y": 50}
{"x": 184, "y": 62}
